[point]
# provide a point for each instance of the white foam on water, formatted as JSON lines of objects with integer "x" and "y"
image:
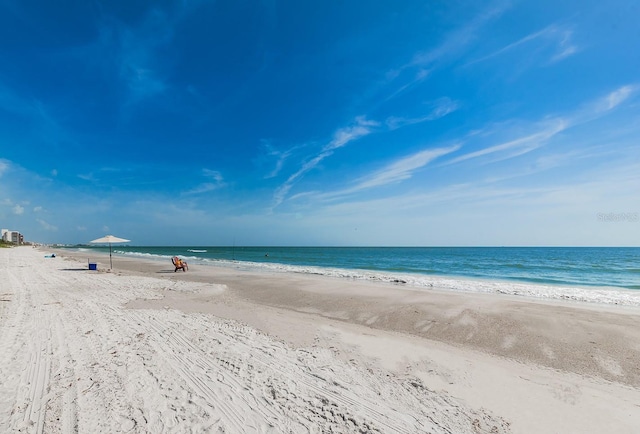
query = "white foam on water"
{"x": 595, "y": 294}
{"x": 144, "y": 255}
{"x": 586, "y": 294}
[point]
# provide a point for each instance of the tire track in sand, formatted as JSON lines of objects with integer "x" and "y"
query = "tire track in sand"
{"x": 267, "y": 362}
{"x": 13, "y": 338}
{"x": 61, "y": 411}
{"x": 239, "y": 410}
{"x": 28, "y": 345}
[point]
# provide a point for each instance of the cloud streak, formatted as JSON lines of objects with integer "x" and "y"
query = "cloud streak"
{"x": 138, "y": 63}
{"x": 215, "y": 182}
{"x": 343, "y": 136}
{"x": 4, "y": 167}
{"x": 442, "y": 107}
{"x": 421, "y": 65}
{"x": 280, "y": 156}
{"x": 456, "y": 41}
{"x": 518, "y": 146}
{"x": 362, "y": 127}
{"x": 618, "y": 96}
{"x": 453, "y": 44}
{"x": 559, "y": 38}
{"x": 549, "y": 128}
{"x": 47, "y": 226}
{"x": 393, "y": 173}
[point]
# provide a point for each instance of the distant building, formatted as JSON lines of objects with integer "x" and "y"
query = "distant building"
{"x": 14, "y": 237}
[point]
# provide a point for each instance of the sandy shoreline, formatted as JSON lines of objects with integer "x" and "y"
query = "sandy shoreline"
{"x": 144, "y": 349}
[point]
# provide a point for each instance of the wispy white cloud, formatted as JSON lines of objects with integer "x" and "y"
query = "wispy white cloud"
{"x": 87, "y": 177}
{"x": 457, "y": 40}
{"x": 215, "y": 181}
{"x": 604, "y": 105}
{"x": 282, "y": 191}
{"x": 4, "y": 166}
{"x": 397, "y": 171}
{"x": 420, "y": 68}
{"x": 214, "y": 174}
{"x": 618, "y": 96}
{"x": 561, "y": 40}
{"x": 403, "y": 168}
{"x": 361, "y": 127}
{"x": 393, "y": 173}
{"x": 282, "y": 157}
{"x": 588, "y": 191}
{"x": 343, "y": 136}
{"x": 18, "y": 210}
{"x": 565, "y": 47}
{"x": 139, "y": 66}
{"x": 453, "y": 44}
{"x": 205, "y": 187}
{"x": 440, "y": 108}
{"x": 544, "y": 130}
{"x": 520, "y": 145}
{"x": 272, "y": 153}
{"x": 143, "y": 82}
{"x": 419, "y": 77}
{"x": 47, "y": 226}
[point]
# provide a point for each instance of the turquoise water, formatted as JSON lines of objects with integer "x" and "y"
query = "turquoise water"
{"x": 534, "y": 270}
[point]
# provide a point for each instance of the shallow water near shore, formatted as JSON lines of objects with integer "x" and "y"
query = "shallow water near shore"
{"x": 592, "y": 274}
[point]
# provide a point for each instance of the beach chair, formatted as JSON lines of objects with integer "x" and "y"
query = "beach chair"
{"x": 179, "y": 264}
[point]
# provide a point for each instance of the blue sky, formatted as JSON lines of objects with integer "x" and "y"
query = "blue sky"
{"x": 321, "y": 123}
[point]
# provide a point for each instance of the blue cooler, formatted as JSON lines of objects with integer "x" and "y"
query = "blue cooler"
{"x": 93, "y": 266}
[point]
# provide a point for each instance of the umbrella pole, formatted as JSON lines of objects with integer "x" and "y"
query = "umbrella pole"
{"x": 110, "y": 260}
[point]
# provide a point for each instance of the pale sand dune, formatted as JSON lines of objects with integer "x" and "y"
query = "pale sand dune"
{"x": 143, "y": 349}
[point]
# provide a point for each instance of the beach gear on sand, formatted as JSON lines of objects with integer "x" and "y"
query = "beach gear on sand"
{"x": 110, "y": 239}
{"x": 179, "y": 264}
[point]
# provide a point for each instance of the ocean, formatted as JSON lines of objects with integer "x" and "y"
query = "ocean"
{"x": 588, "y": 274}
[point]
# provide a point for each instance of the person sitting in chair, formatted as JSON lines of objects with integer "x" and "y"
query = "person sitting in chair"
{"x": 179, "y": 264}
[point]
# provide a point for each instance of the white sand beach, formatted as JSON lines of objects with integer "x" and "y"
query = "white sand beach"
{"x": 142, "y": 349}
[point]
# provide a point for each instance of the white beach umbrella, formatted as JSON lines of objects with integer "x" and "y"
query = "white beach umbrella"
{"x": 110, "y": 239}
